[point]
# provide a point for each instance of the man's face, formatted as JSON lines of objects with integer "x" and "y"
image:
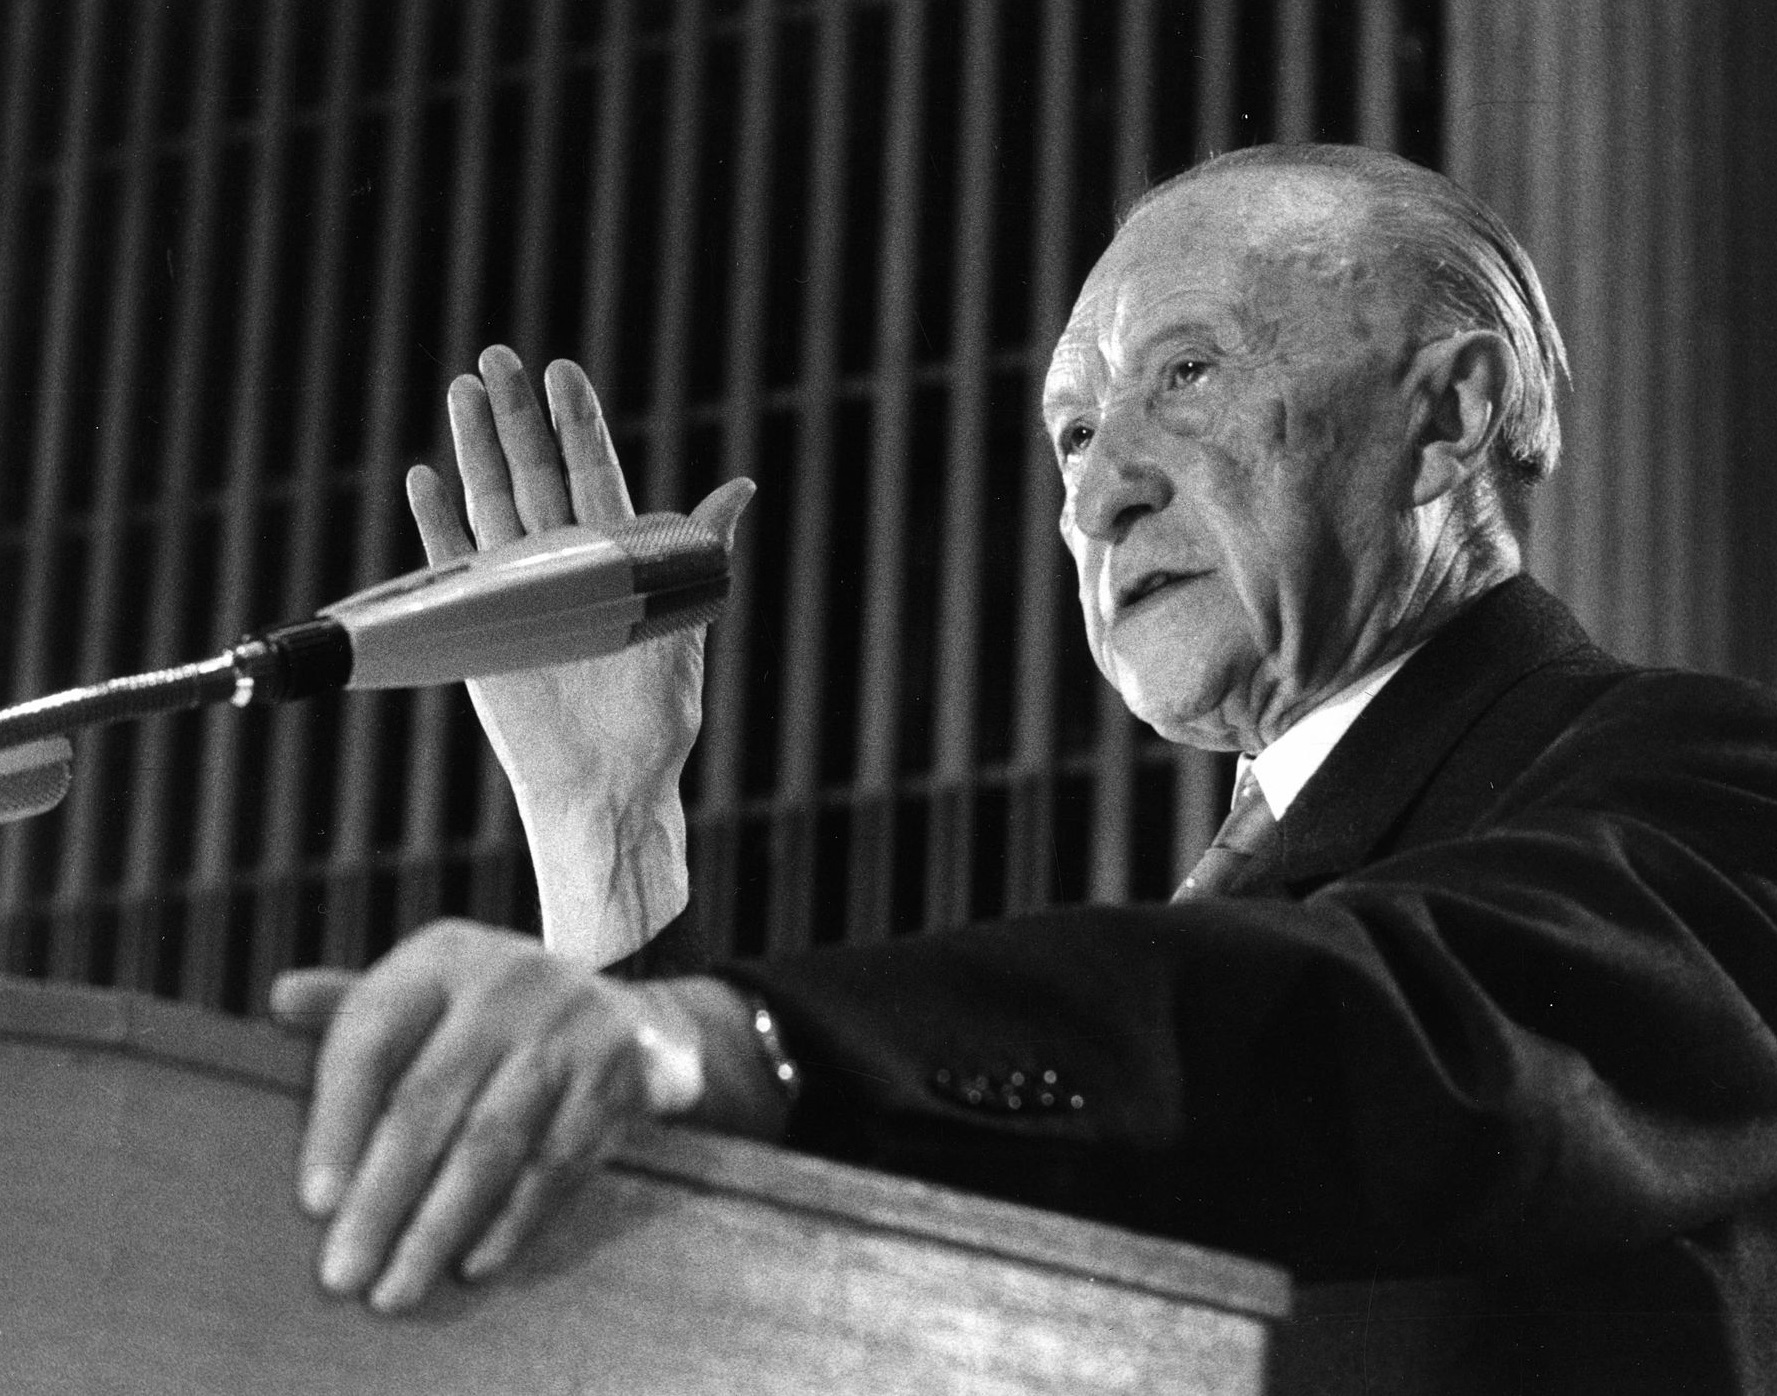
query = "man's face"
{"x": 1227, "y": 412}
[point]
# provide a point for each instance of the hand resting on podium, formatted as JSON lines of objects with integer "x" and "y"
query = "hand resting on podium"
{"x": 471, "y": 1078}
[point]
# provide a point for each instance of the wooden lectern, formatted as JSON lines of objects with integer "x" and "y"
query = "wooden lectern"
{"x": 151, "y": 1243}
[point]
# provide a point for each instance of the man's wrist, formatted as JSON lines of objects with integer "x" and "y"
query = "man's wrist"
{"x": 739, "y": 1088}
{"x": 607, "y": 879}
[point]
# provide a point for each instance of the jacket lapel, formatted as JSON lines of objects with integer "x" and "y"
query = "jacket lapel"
{"x": 1380, "y": 767}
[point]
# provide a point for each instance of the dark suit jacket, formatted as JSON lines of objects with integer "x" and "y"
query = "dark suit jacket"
{"x": 1484, "y": 1051}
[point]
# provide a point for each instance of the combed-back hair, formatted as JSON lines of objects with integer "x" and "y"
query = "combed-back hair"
{"x": 1472, "y": 274}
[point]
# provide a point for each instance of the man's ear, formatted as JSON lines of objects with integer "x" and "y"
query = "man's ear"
{"x": 1462, "y": 381}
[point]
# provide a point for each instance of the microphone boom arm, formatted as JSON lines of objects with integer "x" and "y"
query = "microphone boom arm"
{"x": 571, "y": 593}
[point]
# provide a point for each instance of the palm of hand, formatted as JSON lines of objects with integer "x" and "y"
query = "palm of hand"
{"x": 622, "y": 724}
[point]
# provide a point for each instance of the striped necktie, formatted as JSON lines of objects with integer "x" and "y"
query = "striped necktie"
{"x": 1243, "y": 833}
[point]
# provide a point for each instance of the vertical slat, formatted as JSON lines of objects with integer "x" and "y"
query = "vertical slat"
{"x": 1378, "y": 80}
{"x": 1135, "y": 99}
{"x": 718, "y": 873}
{"x": 805, "y": 615}
{"x": 116, "y": 426}
{"x": 1707, "y": 638}
{"x": 14, "y": 122}
{"x": 1296, "y": 70}
{"x": 1632, "y": 540}
{"x": 361, "y": 739}
{"x": 542, "y": 145}
{"x": 222, "y": 752}
{"x": 959, "y": 602}
{"x": 603, "y": 343}
{"x": 56, "y": 369}
{"x": 1215, "y": 76}
{"x": 291, "y": 739}
{"x": 15, "y": 119}
{"x": 1197, "y": 807}
{"x": 666, "y": 459}
{"x": 429, "y": 735}
{"x": 1033, "y": 722}
{"x": 1503, "y": 122}
{"x": 22, "y": 20}
{"x": 1466, "y": 88}
{"x": 1682, "y": 383}
{"x": 879, "y": 687}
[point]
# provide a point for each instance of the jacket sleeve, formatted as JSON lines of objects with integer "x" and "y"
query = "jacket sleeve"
{"x": 1550, "y": 1038}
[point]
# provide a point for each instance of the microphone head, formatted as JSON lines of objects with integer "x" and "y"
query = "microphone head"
{"x": 569, "y": 593}
{"x": 681, "y": 571}
{"x": 669, "y": 551}
{"x": 34, "y": 776}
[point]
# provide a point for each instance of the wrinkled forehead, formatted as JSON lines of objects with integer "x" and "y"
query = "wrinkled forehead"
{"x": 1248, "y": 252}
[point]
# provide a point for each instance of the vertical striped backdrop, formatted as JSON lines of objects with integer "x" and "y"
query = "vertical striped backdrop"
{"x": 245, "y": 244}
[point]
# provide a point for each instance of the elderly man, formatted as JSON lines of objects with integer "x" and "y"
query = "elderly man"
{"x": 1475, "y": 993}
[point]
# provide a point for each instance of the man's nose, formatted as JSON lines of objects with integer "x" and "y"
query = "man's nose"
{"x": 1120, "y": 484}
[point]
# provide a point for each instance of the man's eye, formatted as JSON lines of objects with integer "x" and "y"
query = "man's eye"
{"x": 1186, "y": 373}
{"x": 1073, "y": 439}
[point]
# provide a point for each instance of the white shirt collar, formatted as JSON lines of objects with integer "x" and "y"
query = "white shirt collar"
{"x": 1284, "y": 767}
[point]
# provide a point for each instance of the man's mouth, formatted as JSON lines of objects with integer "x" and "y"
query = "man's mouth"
{"x": 1150, "y": 584}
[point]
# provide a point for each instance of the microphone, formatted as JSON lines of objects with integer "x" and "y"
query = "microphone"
{"x": 34, "y": 777}
{"x": 575, "y": 592}
{"x": 571, "y": 593}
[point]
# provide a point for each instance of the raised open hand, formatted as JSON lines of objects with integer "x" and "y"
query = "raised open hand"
{"x": 593, "y": 748}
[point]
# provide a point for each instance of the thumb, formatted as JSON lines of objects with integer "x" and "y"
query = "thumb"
{"x": 307, "y": 999}
{"x": 721, "y": 509}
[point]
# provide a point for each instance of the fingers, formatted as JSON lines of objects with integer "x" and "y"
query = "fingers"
{"x": 596, "y": 486}
{"x": 464, "y": 1140}
{"x": 583, "y": 1130}
{"x": 721, "y": 509}
{"x": 467, "y": 1084}
{"x": 452, "y": 1138}
{"x": 308, "y": 998}
{"x": 418, "y": 1123}
{"x": 535, "y": 467}
{"x": 485, "y": 1160}
{"x": 532, "y": 1198}
{"x": 374, "y": 1036}
{"x": 487, "y": 485}
{"x": 436, "y": 517}
{"x": 508, "y": 456}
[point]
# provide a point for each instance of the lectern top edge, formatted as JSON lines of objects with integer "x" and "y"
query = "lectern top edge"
{"x": 256, "y": 1052}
